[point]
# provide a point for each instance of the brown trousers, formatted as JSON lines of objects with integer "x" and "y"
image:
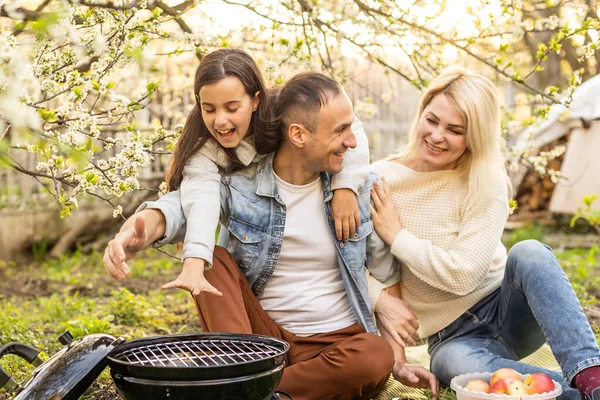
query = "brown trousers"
{"x": 345, "y": 364}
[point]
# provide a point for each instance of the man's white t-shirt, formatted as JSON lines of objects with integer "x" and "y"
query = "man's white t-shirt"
{"x": 306, "y": 294}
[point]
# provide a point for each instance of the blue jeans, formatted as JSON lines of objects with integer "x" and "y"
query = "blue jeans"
{"x": 536, "y": 303}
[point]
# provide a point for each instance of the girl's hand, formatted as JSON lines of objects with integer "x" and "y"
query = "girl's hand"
{"x": 384, "y": 214}
{"x": 344, "y": 208}
{"x": 192, "y": 279}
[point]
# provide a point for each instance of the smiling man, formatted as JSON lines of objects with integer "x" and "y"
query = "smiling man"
{"x": 285, "y": 274}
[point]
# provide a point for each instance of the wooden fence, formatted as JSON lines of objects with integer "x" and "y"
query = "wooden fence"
{"x": 395, "y": 100}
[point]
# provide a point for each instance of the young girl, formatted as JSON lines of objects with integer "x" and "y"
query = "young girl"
{"x": 230, "y": 127}
{"x": 443, "y": 214}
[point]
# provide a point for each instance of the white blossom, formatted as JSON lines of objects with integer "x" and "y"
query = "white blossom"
{"x": 366, "y": 109}
{"x": 118, "y": 211}
{"x": 74, "y": 202}
{"x": 162, "y": 189}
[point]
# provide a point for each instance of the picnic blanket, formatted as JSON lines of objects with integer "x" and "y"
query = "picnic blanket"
{"x": 418, "y": 355}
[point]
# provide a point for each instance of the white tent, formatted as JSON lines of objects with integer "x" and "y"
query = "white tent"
{"x": 581, "y": 165}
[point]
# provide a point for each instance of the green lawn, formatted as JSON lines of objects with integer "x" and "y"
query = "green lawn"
{"x": 41, "y": 300}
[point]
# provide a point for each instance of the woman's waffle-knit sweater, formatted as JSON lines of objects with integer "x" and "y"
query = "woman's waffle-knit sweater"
{"x": 450, "y": 247}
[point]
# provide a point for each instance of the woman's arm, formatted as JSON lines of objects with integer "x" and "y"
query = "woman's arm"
{"x": 456, "y": 270}
{"x": 393, "y": 313}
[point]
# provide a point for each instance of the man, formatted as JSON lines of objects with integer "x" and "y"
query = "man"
{"x": 286, "y": 275}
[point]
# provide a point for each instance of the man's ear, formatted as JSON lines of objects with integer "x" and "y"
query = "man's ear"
{"x": 297, "y": 135}
{"x": 255, "y": 101}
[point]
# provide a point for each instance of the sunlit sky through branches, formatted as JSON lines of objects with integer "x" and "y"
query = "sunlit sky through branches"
{"x": 462, "y": 18}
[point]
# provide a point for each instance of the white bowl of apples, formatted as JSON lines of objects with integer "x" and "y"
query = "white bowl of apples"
{"x": 505, "y": 384}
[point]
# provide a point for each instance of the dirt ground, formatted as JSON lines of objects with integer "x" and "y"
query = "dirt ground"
{"x": 29, "y": 283}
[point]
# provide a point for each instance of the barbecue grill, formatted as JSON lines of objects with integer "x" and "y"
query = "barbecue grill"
{"x": 210, "y": 366}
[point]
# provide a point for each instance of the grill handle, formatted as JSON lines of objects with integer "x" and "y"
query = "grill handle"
{"x": 28, "y": 353}
{"x": 6, "y": 380}
{"x": 279, "y": 395}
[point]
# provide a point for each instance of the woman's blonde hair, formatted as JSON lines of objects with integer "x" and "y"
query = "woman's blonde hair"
{"x": 476, "y": 99}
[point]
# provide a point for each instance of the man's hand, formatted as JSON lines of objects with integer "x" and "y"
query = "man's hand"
{"x": 136, "y": 234}
{"x": 125, "y": 244}
{"x": 410, "y": 375}
{"x": 192, "y": 278}
{"x": 344, "y": 208}
{"x": 416, "y": 376}
{"x": 396, "y": 317}
{"x": 384, "y": 214}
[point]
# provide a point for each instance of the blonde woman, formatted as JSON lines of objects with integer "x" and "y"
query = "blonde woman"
{"x": 442, "y": 209}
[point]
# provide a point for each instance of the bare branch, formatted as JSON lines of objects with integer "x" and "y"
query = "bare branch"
{"x": 20, "y": 14}
{"x": 306, "y": 6}
{"x": 5, "y": 131}
{"x": 367, "y": 52}
{"x": 265, "y": 16}
{"x": 109, "y": 5}
{"x": 184, "y": 6}
{"x": 39, "y": 9}
{"x": 370, "y": 11}
{"x": 306, "y": 37}
{"x": 163, "y": 138}
{"x": 86, "y": 65}
{"x": 14, "y": 165}
{"x": 166, "y": 252}
{"x": 174, "y": 13}
{"x": 37, "y": 103}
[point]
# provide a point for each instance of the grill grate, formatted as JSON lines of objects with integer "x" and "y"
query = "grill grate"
{"x": 199, "y": 353}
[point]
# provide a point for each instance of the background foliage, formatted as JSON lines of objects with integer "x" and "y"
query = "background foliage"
{"x": 76, "y": 75}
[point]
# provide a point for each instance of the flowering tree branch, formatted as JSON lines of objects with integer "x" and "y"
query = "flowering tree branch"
{"x": 96, "y": 91}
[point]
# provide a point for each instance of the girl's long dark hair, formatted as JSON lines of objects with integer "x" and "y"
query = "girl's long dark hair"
{"x": 263, "y": 127}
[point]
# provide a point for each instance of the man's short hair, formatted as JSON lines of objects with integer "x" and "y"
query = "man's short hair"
{"x": 303, "y": 96}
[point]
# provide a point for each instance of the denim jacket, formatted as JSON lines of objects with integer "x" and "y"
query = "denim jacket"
{"x": 202, "y": 180}
{"x": 254, "y": 215}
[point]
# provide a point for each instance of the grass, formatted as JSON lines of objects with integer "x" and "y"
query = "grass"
{"x": 41, "y": 300}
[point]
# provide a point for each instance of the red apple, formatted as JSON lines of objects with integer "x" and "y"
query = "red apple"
{"x": 538, "y": 383}
{"x": 478, "y": 385}
{"x": 501, "y": 386}
{"x": 504, "y": 373}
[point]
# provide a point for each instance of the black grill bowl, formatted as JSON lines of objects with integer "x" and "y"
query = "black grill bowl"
{"x": 259, "y": 386}
{"x": 214, "y": 355}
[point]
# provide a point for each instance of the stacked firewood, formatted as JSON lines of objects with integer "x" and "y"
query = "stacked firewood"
{"x": 534, "y": 193}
